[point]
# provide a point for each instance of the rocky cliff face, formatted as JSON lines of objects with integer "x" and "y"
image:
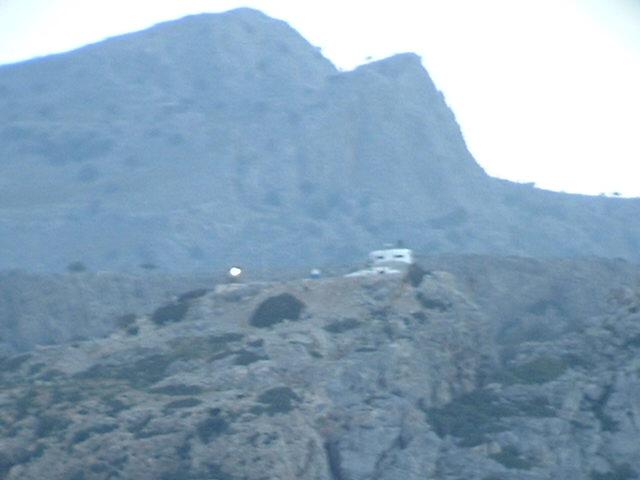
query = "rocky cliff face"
{"x": 227, "y": 138}
{"x": 347, "y": 378}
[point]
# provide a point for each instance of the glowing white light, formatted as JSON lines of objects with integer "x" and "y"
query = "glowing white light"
{"x": 235, "y": 271}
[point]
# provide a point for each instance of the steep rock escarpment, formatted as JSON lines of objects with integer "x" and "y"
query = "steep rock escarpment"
{"x": 221, "y": 139}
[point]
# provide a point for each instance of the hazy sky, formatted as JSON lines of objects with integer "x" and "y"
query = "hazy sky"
{"x": 546, "y": 91}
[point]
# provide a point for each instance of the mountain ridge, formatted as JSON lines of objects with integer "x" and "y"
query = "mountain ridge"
{"x": 213, "y": 133}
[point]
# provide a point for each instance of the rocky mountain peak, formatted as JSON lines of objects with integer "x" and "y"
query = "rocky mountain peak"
{"x": 396, "y": 65}
{"x": 403, "y": 77}
{"x": 245, "y": 33}
{"x": 215, "y": 132}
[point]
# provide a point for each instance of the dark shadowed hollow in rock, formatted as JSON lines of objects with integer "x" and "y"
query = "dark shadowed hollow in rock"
{"x": 415, "y": 274}
{"x": 276, "y": 309}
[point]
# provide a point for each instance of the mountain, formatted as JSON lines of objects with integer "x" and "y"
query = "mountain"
{"x": 227, "y": 138}
{"x": 482, "y": 368}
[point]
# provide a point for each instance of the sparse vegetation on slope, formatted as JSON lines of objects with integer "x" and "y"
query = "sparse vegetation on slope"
{"x": 344, "y": 378}
{"x": 276, "y": 309}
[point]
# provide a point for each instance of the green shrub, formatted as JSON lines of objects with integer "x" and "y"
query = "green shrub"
{"x": 245, "y": 357}
{"x": 126, "y": 321}
{"x": 212, "y": 427}
{"x": 455, "y": 218}
{"x": 172, "y": 312}
{"x": 88, "y": 174}
{"x": 276, "y": 309}
{"x": 99, "y": 467}
{"x": 10, "y": 458}
{"x": 419, "y": 316}
{"x": 470, "y": 417}
{"x": 510, "y": 458}
{"x": 14, "y": 363}
{"x": 83, "y": 435}
{"x": 475, "y": 415}
{"x": 619, "y": 472}
{"x": 48, "y": 424}
{"x": 607, "y": 423}
{"x": 140, "y": 374}
{"x": 38, "y": 451}
{"x": 203, "y": 347}
{"x": 534, "y": 407}
{"x": 78, "y": 475}
{"x": 76, "y": 267}
{"x": 381, "y": 313}
{"x": 633, "y": 342}
{"x": 138, "y": 427}
{"x": 432, "y": 303}
{"x": 183, "y": 403}
{"x": 114, "y": 405}
{"x": 37, "y": 368}
{"x": 192, "y": 295}
{"x": 180, "y": 472}
{"x": 341, "y": 326}
{"x": 133, "y": 331}
{"x": 215, "y": 471}
{"x": 27, "y": 401}
{"x": 62, "y": 392}
{"x": 178, "y": 390}
{"x": 75, "y": 146}
{"x": 276, "y": 400}
{"x": 540, "y": 370}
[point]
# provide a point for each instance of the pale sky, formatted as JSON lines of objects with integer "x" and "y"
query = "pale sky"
{"x": 545, "y": 91}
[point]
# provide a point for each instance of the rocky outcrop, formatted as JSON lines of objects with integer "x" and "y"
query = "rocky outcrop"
{"x": 189, "y": 144}
{"x": 335, "y": 393}
{"x": 341, "y": 379}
